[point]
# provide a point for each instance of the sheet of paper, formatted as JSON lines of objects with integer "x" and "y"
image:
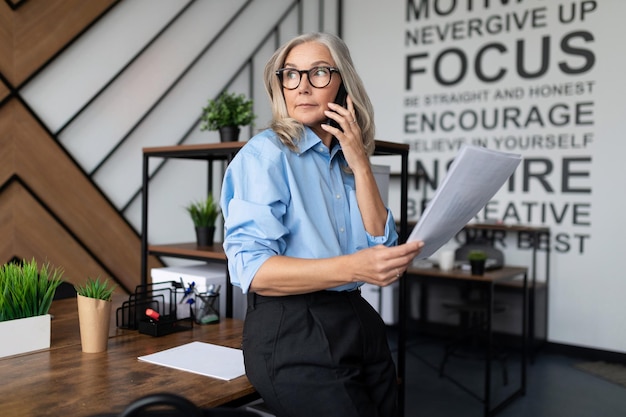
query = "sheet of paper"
{"x": 201, "y": 358}
{"x": 474, "y": 178}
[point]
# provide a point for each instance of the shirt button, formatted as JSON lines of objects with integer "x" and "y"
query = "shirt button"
{"x": 338, "y": 196}
{"x": 342, "y": 229}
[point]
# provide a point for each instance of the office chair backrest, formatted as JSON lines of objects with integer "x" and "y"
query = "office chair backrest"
{"x": 65, "y": 290}
{"x": 180, "y": 406}
{"x": 172, "y": 405}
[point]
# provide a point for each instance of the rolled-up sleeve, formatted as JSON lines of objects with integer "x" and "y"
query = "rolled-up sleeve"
{"x": 361, "y": 237}
{"x": 253, "y": 209}
{"x": 390, "y": 238}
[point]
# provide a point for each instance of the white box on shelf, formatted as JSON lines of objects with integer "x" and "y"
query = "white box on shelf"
{"x": 203, "y": 275}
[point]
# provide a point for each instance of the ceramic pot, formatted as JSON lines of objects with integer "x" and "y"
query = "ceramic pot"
{"x": 478, "y": 267}
{"x": 204, "y": 236}
{"x": 94, "y": 317}
{"x": 229, "y": 133}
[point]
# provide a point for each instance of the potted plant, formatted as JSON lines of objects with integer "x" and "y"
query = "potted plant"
{"x": 477, "y": 259}
{"x": 26, "y": 293}
{"x": 204, "y": 214}
{"x": 94, "y": 313}
{"x": 226, "y": 114}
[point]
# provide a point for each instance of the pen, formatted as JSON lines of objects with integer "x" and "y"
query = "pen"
{"x": 188, "y": 291}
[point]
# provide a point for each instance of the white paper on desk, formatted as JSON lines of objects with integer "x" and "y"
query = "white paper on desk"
{"x": 474, "y": 178}
{"x": 201, "y": 358}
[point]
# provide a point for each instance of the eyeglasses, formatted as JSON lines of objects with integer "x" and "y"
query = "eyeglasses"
{"x": 319, "y": 77}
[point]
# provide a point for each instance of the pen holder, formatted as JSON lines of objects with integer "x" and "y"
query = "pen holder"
{"x": 206, "y": 308}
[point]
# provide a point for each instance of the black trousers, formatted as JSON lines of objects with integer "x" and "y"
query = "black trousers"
{"x": 322, "y": 354}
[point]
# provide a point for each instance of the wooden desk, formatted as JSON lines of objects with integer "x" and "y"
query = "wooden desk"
{"x": 490, "y": 279}
{"x": 65, "y": 381}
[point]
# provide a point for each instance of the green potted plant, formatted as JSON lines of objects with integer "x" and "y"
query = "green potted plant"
{"x": 477, "y": 259}
{"x": 26, "y": 293}
{"x": 94, "y": 313}
{"x": 204, "y": 214}
{"x": 226, "y": 114}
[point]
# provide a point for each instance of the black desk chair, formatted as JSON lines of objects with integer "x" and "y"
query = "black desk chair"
{"x": 472, "y": 307}
{"x": 172, "y": 405}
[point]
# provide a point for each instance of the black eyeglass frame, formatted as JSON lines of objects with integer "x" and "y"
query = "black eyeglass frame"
{"x": 280, "y": 72}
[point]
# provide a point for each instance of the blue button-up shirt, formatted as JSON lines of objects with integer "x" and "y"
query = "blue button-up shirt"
{"x": 300, "y": 204}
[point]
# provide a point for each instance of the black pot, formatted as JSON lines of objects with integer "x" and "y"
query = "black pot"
{"x": 229, "y": 133}
{"x": 478, "y": 267}
{"x": 204, "y": 236}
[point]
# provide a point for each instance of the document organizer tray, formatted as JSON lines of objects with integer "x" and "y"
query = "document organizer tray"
{"x": 132, "y": 313}
{"x": 165, "y": 325}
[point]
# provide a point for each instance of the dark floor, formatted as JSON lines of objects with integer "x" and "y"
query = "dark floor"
{"x": 555, "y": 387}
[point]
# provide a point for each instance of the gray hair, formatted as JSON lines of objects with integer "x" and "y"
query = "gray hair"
{"x": 290, "y": 130}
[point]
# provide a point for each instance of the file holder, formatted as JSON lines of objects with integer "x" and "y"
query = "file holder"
{"x": 165, "y": 325}
{"x": 132, "y": 313}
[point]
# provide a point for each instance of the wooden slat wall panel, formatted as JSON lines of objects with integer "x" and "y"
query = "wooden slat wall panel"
{"x": 6, "y": 39}
{"x": 38, "y": 234}
{"x": 6, "y": 145}
{"x": 65, "y": 190}
{"x": 42, "y": 27}
{"x": 66, "y": 220}
{"x": 16, "y": 3}
{"x": 7, "y": 228}
{"x": 4, "y": 91}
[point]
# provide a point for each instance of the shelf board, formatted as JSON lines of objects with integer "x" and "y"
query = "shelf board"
{"x": 496, "y": 275}
{"x": 224, "y": 149}
{"x": 189, "y": 251}
{"x": 221, "y": 150}
{"x": 390, "y": 148}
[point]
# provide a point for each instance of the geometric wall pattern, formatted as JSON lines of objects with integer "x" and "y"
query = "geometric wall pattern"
{"x": 49, "y": 208}
{"x": 74, "y": 201}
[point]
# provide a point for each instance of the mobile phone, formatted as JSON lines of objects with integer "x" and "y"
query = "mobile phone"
{"x": 340, "y": 99}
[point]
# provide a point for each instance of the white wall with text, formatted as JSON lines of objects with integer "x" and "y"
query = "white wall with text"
{"x": 542, "y": 79}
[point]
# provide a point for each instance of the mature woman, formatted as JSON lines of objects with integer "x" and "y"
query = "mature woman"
{"x": 305, "y": 228}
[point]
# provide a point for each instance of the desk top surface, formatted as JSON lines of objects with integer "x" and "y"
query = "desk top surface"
{"x": 63, "y": 380}
{"x": 501, "y": 274}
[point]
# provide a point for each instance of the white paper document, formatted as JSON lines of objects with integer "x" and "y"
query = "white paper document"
{"x": 474, "y": 178}
{"x": 201, "y": 358}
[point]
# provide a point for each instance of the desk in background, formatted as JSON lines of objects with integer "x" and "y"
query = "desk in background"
{"x": 537, "y": 239}
{"x": 65, "y": 381}
{"x": 489, "y": 280}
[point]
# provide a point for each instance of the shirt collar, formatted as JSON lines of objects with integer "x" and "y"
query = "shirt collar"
{"x": 311, "y": 140}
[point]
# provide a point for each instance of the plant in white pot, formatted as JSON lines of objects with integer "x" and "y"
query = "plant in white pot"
{"x": 26, "y": 293}
{"x": 204, "y": 215}
{"x": 94, "y": 313}
{"x": 226, "y": 114}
